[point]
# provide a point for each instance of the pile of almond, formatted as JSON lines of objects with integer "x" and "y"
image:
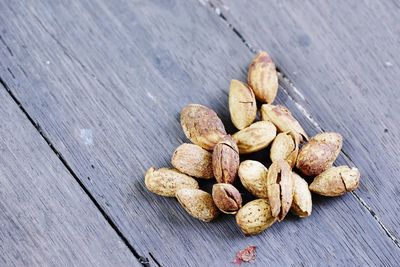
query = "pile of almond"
{"x": 216, "y": 154}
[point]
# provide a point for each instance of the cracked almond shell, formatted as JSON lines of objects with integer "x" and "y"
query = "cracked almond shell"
{"x": 302, "y": 201}
{"x": 225, "y": 160}
{"x": 336, "y": 181}
{"x": 242, "y": 104}
{"x": 165, "y": 181}
{"x": 197, "y": 203}
{"x": 253, "y": 176}
{"x": 227, "y": 198}
{"x": 255, "y": 217}
{"x": 193, "y": 160}
{"x": 285, "y": 147}
{"x": 283, "y": 119}
{"x": 280, "y": 186}
{"x": 202, "y": 126}
{"x": 263, "y": 78}
{"x": 255, "y": 137}
{"x": 319, "y": 153}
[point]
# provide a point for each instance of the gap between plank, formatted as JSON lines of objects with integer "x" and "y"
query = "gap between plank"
{"x": 143, "y": 260}
{"x": 290, "y": 85}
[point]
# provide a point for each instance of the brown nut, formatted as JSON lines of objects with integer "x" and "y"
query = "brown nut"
{"x": 202, "y": 126}
{"x": 262, "y": 78}
{"x": 225, "y": 160}
{"x": 255, "y": 137}
{"x": 336, "y": 181}
{"x": 242, "y": 104}
{"x": 227, "y": 198}
{"x": 285, "y": 147}
{"x": 319, "y": 153}
{"x": 283, "y": 119}
{"x": 280, "y": 188}
{"x": 302, "y": 202}
{"x": 165, "y": 182}
{"x": 253, "y": 176}
{"x": 255, "y": 217}
{"x": 193, "y": 160}
{"x": 197, "y": 203}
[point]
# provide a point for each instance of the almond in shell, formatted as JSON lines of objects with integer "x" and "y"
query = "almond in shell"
{"x": 280, "y": 186}
{"x": 283, "y": 119}
{"x": 319, "y": 153}
{"x": 193, "y": 160}
{"x": 255, "y": 137}
{"x": 302, "y": 202}
{"x": 336, "y": 181}
{"x": 227, "y": 198}
{"x": 165, "y": 182}
{"x": 242, "y": 104}
{"x": 285, "y": 147}
{"x": 197, "y": 203}
{"x": 202, "y": 126}
{"x": 253, "y": 176}
{"x": 225, "y": 160}
{"x": 262, "y": 77}
{"x": 255, "y": 217}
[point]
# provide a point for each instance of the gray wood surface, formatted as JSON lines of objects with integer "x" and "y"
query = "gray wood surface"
{"x": 343, "y": 57}
{"x": 46, "y": 219}
{"x": 106, "y": 81}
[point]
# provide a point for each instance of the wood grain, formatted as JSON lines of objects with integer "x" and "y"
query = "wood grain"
{"x": 46, "y": 218}
{"x": 106, "y": 83}
{"x": 343, "y": 57}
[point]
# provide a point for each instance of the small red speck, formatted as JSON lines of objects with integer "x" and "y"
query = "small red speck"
{"x": 246, "y": 255}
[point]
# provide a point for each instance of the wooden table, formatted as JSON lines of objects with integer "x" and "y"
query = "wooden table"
{"x": 90, "y": 95}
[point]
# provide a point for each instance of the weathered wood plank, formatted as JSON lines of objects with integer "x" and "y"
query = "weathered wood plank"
{"x": 46, "y": 218}
{"x": 106, "y": 83}
{"x": 343, "y": 57}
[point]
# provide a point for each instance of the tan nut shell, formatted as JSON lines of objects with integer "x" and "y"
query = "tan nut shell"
{"x": 202, "y": 126}
{"x": 253, "y": 176}
{"x": 197, "y": 203}
{"x": 285, "y": 147}
{"x": 255, "y": 137}
{"x": 283, "y": 119}
{"x": 165, "y": 182}
{"x": 336, "y": 181}
{"x": 262, "y": 77}
{"x": 319, "y": 153}
{"x": 193, "y": 160}
{"x": 225, "y": 160}
{"x": 255, "y": 217}
{"x": 242, "y": 104}
{"x": 280, "y": 186}
{"x": 227, "y": 198}
{"x": 302, "y": 202}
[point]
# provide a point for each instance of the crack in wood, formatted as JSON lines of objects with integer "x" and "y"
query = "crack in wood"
{"x": 12, "y": 74}
{"x": 377, "y": 219}
{"x": 6, "y": 45}
{"x": 154, "y": 259}
{"x": 230, "y": 26}
{"x": 293, "y": 89}
{"x": 22, "y": 69}
{"x": 284, "y": 80}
